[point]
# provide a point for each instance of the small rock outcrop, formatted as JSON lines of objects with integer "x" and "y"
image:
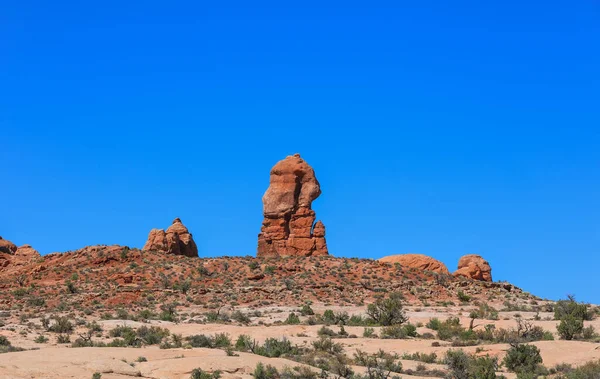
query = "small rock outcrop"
{"x": 176, "y": 240}
{"x": 289, "y": 227}
{"x": 7, "y": 247}
{"x": 11, "y": 255}
{"x": 474, "y": 267}
{"x": 417, "y": 261}
{"x": 27, "y": 252}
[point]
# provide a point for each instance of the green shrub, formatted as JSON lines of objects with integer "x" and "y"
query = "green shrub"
{"x": 590, "y": 370}
{"x": 450, "y": 328}
{"x": 222, "y": 340}
{"x": 421, "y": 357}
{"x": 61, "y": 325}
{"x": 265, "y": 372}
{"x": 200, "y": 374}
{"x": 463, "y": 297}
{"x": 464, "y": 366}
{"x": 325, "y": 331}
{"x": 306, "y": 310}
{"x": 571, "y": 307}
{"x": 369, "y": 333}
{"x": 523, "y": 358}
{"x": 274, "y": 348}
{"x": 388, "y": 311}
{"x": 399, "y": 331}
{"x": 240, "y": 317}
{"x": 570, "y": 327}
{"x": 292, "y": 319}
{"x": 434, "y": 324}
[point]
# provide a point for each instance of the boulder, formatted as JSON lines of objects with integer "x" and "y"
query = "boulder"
{"x": 289, "y": 227}
{"x": 474, "y": 267}
{"x": 27, "y": 253}
{"x": 7, "y": 247}
{"x": 176, "y": 240}
{"x": 417, "y": 261}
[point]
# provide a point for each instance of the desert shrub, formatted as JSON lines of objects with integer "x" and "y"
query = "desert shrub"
{"x": 240, "y": 317}
{"x": 463, "y": 296}
{"x": 327, "y": 345}
{"x": 41, "y": 339}
{"x": 61, "y": 325}
{"x": 36, "y": 302}
{"x": 589, "y": 333}
{"x": 306, "y": 310}
{"x": 201, "y": 340}
{"x": 399, "y": 331}
{"x": 450, "y": 328}
{"x": 122, "y": 314}
{"x": 200, "y": 374}
{"x": 222, "y": 340}
{"x": 590, "y": 370}
{"x": 292, "y": 319}
{"x": 369, "y": 333}
{"x": 274, "y": 348}
{"x": 152, "y": 335}
{"x": 4, "y": 341}
{"x": 483, "y": 367}
{"x": 571, "y": 307}
{"x": 244, "y": 342}
{"x": 184, "y": 286}
{"x": 523, "y": 358}
{"x": 421, "y": 357}
{"x": 330, "y": 317}
{"x": 464, "y": 366}
{"x": 169, "y": 312}
{"x": 570, "y": 327}
{"x": 63, "y": 338}
{"x": 120, "y": 331}
{"x": 379, "y": 365}
{"x": 94, "y": 327}
{"x": 388, "y": 311}
{"x": 299, "y": 372}
{"x": 358, "y": 320}
{"x": 71, "y": 288}
{"x": 325, "y": 331}
{"x": 96, "y": 375}
{"x": 434, "y": 323}
{"x": 265, "y": 372}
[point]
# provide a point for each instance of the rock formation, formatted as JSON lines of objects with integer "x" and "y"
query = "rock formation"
{"x": 417, "y": 261}
{"x": 11, "y": 255}
{"x": 7, "y": 247}
{"x": 176, "y": 240}
{"x": 289, "y": 227}
{"x": 27, "y": 253}
{"x": 474, "y": 267}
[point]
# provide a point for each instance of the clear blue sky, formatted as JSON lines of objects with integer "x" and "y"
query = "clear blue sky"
{"x": 442, "y": 128}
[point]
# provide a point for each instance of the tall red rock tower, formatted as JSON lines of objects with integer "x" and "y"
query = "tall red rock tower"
{"x": 289, "y": 227}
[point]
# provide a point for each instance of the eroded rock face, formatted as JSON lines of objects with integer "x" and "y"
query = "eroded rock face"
{"x": 27, "y": 253}
{"x": 175, "y": 240}
{"x": 11, "y": 255}
{"x": 474, "y": 267}
{"x": 289, "y": 227}
{"x": 417, "y": 261}
{"x": 7, "y": 247}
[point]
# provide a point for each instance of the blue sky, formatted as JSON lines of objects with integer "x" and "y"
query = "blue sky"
{"x": 435, "y": 128}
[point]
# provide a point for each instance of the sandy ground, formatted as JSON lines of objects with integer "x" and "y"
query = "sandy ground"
{"x": 60, "y": 361}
